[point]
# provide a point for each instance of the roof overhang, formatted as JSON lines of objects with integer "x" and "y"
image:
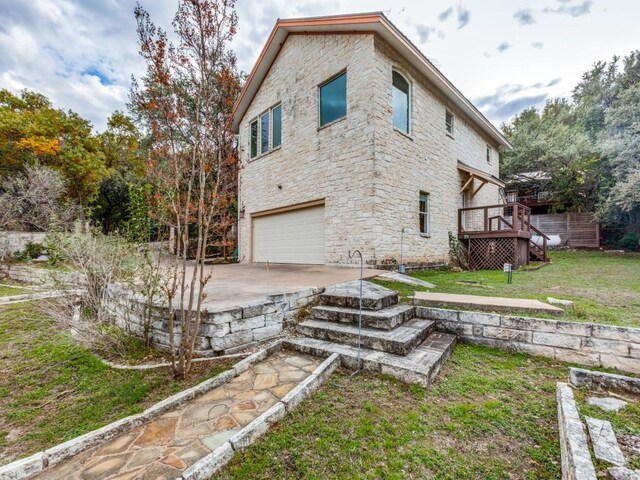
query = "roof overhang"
{"x": 483, "y": 177}
{"x": 358, "y": 23}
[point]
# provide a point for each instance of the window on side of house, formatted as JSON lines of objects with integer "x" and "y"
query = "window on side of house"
{"x": 276, "y": 126}
{"x": 264, "y": 132}
{"x": 425, "y": 217}
{"x": 254, "y": 139}
{"x": 448, "y": 122}
{"x": 488, "y": 154}
{"x": 333, "y": 99}
{"x": 400, "y": 89}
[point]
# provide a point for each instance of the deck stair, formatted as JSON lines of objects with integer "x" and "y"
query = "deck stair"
{"x": 392, "y": 339}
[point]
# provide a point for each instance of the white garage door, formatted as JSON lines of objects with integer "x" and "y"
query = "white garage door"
{"x": 296, "y": 236}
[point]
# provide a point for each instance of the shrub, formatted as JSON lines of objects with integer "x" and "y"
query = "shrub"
{"x": 32, "y": 250}
{"x": 630, "y": 241}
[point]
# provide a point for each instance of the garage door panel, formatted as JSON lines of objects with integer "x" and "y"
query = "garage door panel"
{"x": 297, "y": 236}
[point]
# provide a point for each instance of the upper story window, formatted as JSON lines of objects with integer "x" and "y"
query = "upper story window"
{"x": 488, "y": 154}
{"x": 400, "y": 88}
{"x": 448, "y": 122}
{"x": 333, "y": 99}
{"x": 265, "y": 132}
{"x": 276, "y": 135}
{"x": 425, "y": 217}
{"x": 254, "y": 139}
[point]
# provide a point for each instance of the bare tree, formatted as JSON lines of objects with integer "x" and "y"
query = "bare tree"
{"x": 185, "y": 100}
{"x": 33, "y": 200}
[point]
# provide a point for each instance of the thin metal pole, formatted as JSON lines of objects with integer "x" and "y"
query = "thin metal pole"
{"x": 401, "y": 250}
{"x": 351, "y": 255}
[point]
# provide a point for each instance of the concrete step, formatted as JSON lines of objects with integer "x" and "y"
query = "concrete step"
{"x": 374, "y": 297}
{"x": 385, "y": 319}
{"x": 399, "y": 341}
{"x": 482, "y": 303}
{"x": 420, "y": 366}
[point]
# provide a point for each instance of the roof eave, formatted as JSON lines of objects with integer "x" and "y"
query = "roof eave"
{"x": 378, "y": 22}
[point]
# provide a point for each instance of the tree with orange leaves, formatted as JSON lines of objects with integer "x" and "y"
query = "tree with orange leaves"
{"x": 33, "y": 132}
{"x": 185, "y": 101}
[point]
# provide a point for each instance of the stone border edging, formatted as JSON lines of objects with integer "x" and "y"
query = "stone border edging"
{"x": 151, "y": 366}
{"x": 576, "y": 457}
{"x": 585, "y": 343}
{"x": 26, "y": 467}
{"x": 207, "y": 466}
{"x": 27, "y": 297}
{"x": 580, "y": 377}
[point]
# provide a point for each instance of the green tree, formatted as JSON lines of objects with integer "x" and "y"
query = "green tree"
{"x": 620, "y": 144}
{"x": 33, "y": 132}
{"x": 607, "y": 104}
{"x": 124, "y": 153}
{"x": 554, "y": 142}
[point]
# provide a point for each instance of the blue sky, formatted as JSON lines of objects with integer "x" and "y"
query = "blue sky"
{"x": 504, "y": 55}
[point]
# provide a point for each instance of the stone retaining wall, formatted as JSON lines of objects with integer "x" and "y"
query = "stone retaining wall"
{"x": 38, "y": 276}
{"x": 580, "y": 377}
{"x": 15, "y": 242}
{"x": 583, "y": 343}
{"x": 221, "y": 331}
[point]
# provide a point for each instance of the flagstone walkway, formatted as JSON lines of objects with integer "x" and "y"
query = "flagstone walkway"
{"x": 163, "y": 448}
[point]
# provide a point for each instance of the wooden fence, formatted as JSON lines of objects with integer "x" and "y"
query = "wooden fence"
{"x": 575, "y": 229}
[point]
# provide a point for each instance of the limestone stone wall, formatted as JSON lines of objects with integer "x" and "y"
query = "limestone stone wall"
{"x": 583, "y": 343}
{"x": 425, "y": 160}
{"x": 39, "y": 276}
{"x": 332, "y": 163}
{"x": 12, "y": 242}
{"x": 368, "y": 174}
{"x": 222, "y": 331}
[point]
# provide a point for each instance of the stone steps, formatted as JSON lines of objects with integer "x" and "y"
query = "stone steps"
{"x": 385, "y": 319}
{"x": 420, "y": 366}
{"x": 374, "y": 297}
{"x": 400, "y": 341}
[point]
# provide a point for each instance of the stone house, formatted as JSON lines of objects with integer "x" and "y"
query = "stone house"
{"x": 348, "y": 134}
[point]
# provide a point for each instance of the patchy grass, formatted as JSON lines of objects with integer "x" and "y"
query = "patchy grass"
{"x": 6, "y": 291}
{"x": 626, "y": 422}
{"x": 491, "y": 415}
{"x": 52, "y": 389}
{"x": 605, "y": 288}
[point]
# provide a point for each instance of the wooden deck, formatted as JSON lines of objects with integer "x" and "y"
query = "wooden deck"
{"x": 499, "y": 234}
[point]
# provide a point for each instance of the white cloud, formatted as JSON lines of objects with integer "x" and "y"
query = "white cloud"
{"x": 82, "y": 53}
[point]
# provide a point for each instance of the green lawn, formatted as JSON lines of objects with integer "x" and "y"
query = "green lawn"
{"x": 52, "y": 389}
{"x": 605, "y": 288}
{"x": 491, "y": 415}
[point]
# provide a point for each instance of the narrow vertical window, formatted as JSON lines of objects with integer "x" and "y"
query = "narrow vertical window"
{"x": 254, "y": 139}
{"x": 276, "y": 125}
{"x": 488, "y": 154}
{"x": 448, "y": 122}
{"x": 264, "y": 133}
{"x": 333, "y": 99}
{"x": 425, "y": 219}
{"x": 400, "y": 90}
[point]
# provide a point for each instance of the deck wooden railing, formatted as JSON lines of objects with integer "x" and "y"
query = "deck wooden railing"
{"x": 506, "y": 218}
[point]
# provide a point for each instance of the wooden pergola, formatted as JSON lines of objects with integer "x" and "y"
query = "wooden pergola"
{"x": 482, "y": 177}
